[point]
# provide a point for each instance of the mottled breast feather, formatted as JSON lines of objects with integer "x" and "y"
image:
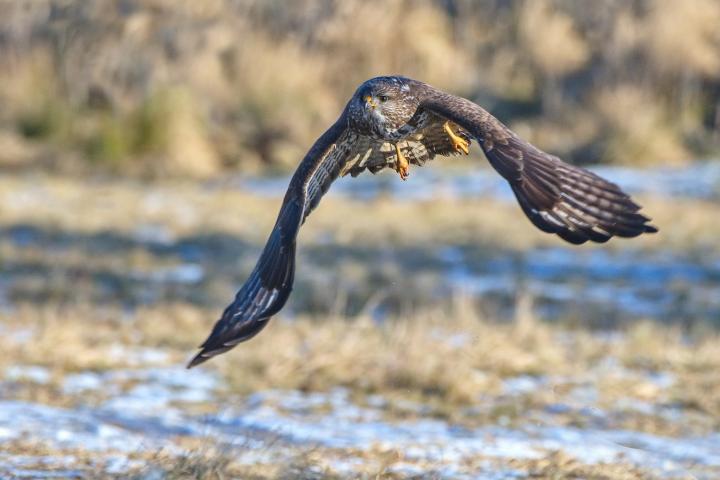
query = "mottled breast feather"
{"x": 424, "y": 144}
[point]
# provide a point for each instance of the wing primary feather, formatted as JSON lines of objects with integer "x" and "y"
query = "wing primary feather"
{"x": 268, "y": 287}
{"x": 557, "y": 197}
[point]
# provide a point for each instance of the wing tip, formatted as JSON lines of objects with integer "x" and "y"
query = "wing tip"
{"x": 209, "y": 352}
{"x": 199, "y": 358}
{"x": 206, "y": 353}
{"x": 579, "y": 237}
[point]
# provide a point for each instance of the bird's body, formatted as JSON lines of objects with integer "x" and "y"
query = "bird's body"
{"x": 417, "y": 147}
{"x": 392, "y": 122}
{"x": 393, "y": 129}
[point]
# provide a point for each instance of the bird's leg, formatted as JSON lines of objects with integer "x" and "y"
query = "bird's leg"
{"x": 402, "y": 166}
{"x": 459, "y": 143}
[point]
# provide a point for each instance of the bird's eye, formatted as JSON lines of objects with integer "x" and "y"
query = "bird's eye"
{"x": 383, "y": 98}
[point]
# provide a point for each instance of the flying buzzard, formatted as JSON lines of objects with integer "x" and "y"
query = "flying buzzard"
{"x": 394, "y": 122}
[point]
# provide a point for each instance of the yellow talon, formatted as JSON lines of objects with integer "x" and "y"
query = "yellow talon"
{"x": 459, "y": 143}
{"x": 402, "y": 166}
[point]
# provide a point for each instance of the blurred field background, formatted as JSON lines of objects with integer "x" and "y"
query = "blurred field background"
{"x": 197, "y": 88}
{"x": 433, "y": 333}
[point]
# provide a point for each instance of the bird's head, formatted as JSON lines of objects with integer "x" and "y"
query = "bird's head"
{"x": 383, "y": 104}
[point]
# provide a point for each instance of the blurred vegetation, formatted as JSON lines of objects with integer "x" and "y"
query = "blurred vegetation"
{"x": 195, "y": 88}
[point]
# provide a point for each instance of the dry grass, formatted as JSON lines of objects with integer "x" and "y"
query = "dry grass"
{"x": 200, "y": 461}
{"x": 558, "y": 466}
{"x": 453, "y": 363}
{"x": 204, "y": 462}
{"x": 551, "y": 37}
{"x": 639, "y": 129}
{"x": 182, "y": 209}
{"x": 168, "y": 89}
{"x": 443, "y": 358}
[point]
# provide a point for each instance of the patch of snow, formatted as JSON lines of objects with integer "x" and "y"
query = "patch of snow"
{"x": 31, "y": 373}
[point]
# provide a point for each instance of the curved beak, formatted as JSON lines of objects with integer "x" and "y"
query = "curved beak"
{"x": 370, "y": 102}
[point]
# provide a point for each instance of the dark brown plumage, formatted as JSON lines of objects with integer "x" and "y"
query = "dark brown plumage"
{"x": 395, "y": 121}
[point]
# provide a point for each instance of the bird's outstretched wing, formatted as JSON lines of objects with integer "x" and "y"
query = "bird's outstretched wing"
{"x": 270, "y": 283}
{"x": 559, "y": 198}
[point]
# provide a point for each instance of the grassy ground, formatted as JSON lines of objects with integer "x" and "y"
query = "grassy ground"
{"x": 82, "y": 259}
{"x": 444, "y": 359}
{"x": 182, "y": 208}
{"x": 454, "y": 364}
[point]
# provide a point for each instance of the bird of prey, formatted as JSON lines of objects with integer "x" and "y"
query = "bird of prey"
{"x": 394, "y": 122}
